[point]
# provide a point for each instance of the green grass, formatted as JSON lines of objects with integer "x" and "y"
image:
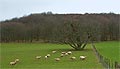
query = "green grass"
{"x": 26, "y": 52}
{"x": 109, "y": 49}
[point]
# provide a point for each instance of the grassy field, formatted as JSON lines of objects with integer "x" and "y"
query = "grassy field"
{"x": 109, "y": 49}
{"x": 26, "y": 52}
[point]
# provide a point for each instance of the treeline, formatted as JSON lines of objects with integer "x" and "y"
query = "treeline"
{"x": 48, "y": 27}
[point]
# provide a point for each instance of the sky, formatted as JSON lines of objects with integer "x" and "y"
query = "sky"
{"x": 18, "y": 8}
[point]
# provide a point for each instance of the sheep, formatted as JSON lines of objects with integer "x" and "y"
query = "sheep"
{"x": 13, "y": 63}
{"x": 38, "y": 57}
{"x": 61, "y": 55}
{"x": 53, "y": 51}
{"x": 72, "y": 58}
{"x": 57, "y": 59}
{"x": 66, "y": 54}
{"x": 48, "y": 55}
{"x": 63, "y": 52}
{"x": 69, "y": 52}
{"x": 82, "y": 57}
{"x": 16, "y": 60}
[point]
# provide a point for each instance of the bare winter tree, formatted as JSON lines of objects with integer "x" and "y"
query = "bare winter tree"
{"x": 76, "y": 38}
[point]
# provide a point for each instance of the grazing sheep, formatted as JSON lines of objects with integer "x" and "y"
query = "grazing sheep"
{"x": 82, "y": 57}
{"x": 61, "y": 55}
{"x": 63, "y": 52}
{"x": 48, "y": 55}
{"x": 13, "y": 63}
{"x": 57, "y": 59}
{"x": 66, "y": 54}
{"x": 53, "y": 51}
{"x": 16, "y": 60}
{"x": 38, "y": 57}
{"x": 69, "y": 52}
{"x": 73, "y": 58}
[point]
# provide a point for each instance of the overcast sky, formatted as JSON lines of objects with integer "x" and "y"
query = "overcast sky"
{"x": 17, "y": 8}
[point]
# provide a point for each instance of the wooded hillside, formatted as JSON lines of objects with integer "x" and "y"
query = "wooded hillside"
{"x": 48, "y": 27}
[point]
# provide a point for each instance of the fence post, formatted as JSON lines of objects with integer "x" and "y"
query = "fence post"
{"x": 117, "y": 66}
{"x": 107, "y": 63}
{"x": 112, "y": 65}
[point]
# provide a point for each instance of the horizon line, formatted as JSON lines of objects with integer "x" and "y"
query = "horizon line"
{"x": 58, "y": 13}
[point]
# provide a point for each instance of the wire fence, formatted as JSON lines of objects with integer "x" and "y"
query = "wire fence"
{"x": 107, "y": 63}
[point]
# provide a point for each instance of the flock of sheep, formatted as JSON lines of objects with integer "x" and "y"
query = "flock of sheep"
{"x": 56, "y": 59}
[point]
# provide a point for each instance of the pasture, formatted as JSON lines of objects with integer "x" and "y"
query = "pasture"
{"x": 27, "y": 52}
{"x": 109, "y": 49}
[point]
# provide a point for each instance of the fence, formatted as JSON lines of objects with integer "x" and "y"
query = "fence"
{"x": 107, "y": 63}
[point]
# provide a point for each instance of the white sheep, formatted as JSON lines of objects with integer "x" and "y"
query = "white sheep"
{"x": 38, "y": 57}
{"x": 63, "y": 52}
{"x": 57, "y": 59}
{"x": 16, "y": 60}
{"x": 53, "y": 51}
{"x": 48, "y": 55}
{"x": 61, "y": 55}
{"x": 13, "y": 63}
{"x": 73, "y": 58}
{"x": 82, "y": 57}
{"x": 66, "y": 54}
{"x": 69, "y": 52}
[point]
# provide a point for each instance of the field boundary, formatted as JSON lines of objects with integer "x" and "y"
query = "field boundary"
{"x": 106, "y": 62}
